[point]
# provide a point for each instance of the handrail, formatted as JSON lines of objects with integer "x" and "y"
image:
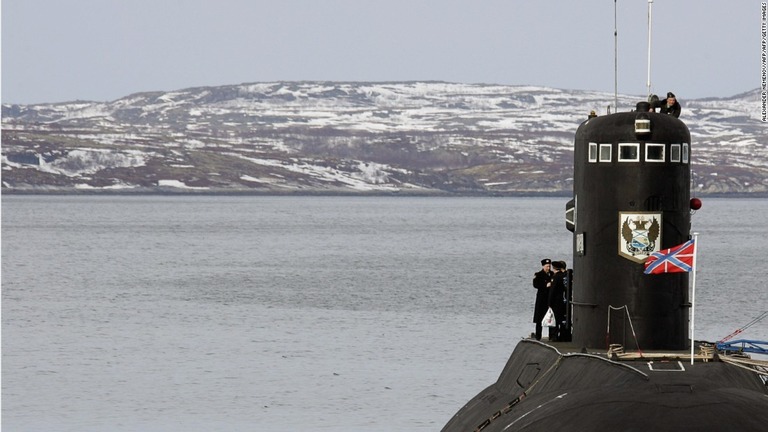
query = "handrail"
{"x": 583, "y": 304}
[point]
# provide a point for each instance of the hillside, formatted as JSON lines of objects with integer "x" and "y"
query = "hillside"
{"x": 338, "y": 137}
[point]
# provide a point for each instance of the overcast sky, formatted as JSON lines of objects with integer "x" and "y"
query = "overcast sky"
{"x": 102, "y": 50}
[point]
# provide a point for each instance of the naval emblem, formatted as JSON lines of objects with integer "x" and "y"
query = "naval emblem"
{"x": 639, "y": 235}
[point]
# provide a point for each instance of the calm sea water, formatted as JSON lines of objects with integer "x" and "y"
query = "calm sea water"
{"x": 300, "y": 313}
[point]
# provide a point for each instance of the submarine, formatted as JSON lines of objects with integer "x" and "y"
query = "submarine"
{"x": 626, "y": 361}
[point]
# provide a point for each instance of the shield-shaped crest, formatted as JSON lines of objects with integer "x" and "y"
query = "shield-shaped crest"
{"x": 639, "y": 235}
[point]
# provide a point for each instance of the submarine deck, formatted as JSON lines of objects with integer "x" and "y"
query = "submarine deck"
{"x": 702, "y": 351}
{"x": 557, "y": 385}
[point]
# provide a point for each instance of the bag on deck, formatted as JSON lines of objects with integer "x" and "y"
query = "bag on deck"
{"x": 549, "y": 319}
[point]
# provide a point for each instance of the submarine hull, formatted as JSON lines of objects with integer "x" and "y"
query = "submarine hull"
{"x": 631, "y": 202}
{"x": 543, "y": 389}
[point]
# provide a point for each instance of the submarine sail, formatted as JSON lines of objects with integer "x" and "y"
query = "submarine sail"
{"x": 631, "y": 198}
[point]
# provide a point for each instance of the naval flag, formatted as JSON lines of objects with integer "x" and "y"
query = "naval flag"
{"x": 678, "y": 259}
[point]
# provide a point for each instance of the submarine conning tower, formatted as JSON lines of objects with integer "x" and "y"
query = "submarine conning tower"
{"x": 631, "y": 198}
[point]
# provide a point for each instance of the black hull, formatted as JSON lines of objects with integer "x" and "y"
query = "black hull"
{"x": 541, "y": 389}
{"x": 632, "y": 201}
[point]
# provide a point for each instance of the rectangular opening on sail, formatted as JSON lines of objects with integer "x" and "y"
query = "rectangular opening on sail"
{"x": 654, "y": 152}
{"x": 593, "y": 152}
{"x": 629, "y": 152}
{"x": 605, "y": 152}
{"x": 674, "y": 153}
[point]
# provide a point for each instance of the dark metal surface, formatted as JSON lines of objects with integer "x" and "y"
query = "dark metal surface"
{"x": 561, "y": 386}
{"x": 656, "y": 303}
{"x": 542, "y": 389}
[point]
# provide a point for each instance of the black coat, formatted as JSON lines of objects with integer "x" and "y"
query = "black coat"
{"x": 540, "y": 281}
{"x": 557, "y": 296}
{"x": 664, "y": 109}
{"x": 674, "y": 109}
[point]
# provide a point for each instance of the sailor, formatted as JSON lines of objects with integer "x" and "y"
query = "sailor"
{"x": 542, "y": 281}
{"x": 670, "y": 105}
{"x": 557, "y": 300}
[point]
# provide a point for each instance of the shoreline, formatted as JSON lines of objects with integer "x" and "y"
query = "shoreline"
{"x": 341, "y": 193}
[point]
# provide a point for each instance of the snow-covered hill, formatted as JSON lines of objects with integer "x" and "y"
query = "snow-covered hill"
{"x": 339, "y": 137}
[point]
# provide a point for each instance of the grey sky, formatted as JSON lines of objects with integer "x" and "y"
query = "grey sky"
{"x": 63, "y": 50}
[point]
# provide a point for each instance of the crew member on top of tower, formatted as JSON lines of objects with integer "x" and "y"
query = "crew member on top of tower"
{"x": 542, "y": 281}
{"x": 670, "y": 105}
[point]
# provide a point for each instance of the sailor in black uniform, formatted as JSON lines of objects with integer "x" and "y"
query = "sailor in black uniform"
{"x": 557, "y": 300}
{"x": 670, "y": 105}
{"x": 542, "y": 281}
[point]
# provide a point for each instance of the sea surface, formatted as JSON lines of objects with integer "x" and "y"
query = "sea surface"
{"x": 176, "y": 313}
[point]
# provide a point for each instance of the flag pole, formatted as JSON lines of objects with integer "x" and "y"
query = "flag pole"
{"x": 693, "y": 290}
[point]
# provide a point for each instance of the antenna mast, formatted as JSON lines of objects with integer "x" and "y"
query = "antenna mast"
{"x": 615, "y": 61}
{"x": 650, "y": 9}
